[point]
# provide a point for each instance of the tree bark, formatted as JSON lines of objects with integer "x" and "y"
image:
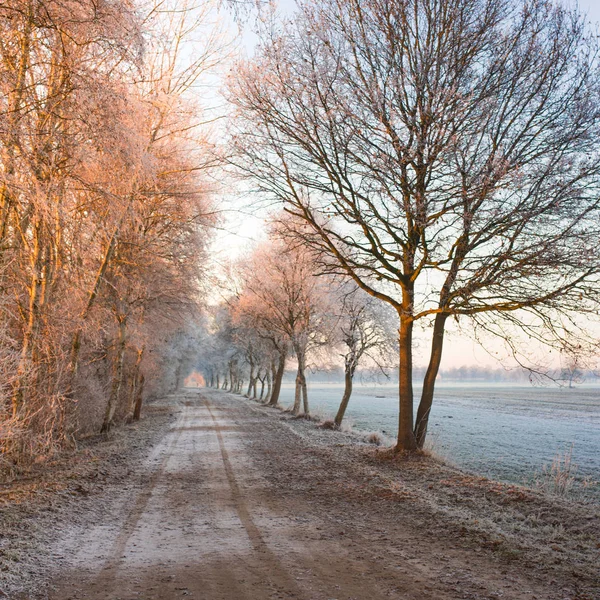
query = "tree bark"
{"x": 270, "y": 380}
{"x": 117, "y": 378}
{"x": 251, "y": 379}
{"x": 135, "y": 380}
{"x": 137, "y": 410}
{"x": 268, "y": 396}
{"x": 424, "y": 411}
{"x": 406, "y": 436}
{"x": 278, "y": 378}
{"x": 304, "y": 394}
{"x": 76, "y": 342}
{"x": 297, "y": 394}
{"x": 301, "y": 392}
{"x": 231, "y": 379}
{"x": 28, "y": 335}
{"x": 339, "y": 417}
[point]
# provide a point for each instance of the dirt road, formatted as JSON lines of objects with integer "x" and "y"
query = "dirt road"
{"x": 236, "y": 504}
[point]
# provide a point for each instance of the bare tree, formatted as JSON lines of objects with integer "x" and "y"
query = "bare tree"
{"x": 285, "y": 300}
{"x": 443, "y": 154}
{"x": 366, "y": 330}
{"x": 575, "y": 363}
{"x": 63, "y": 71}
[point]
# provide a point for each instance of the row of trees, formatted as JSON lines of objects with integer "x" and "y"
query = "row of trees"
{"x": 442, "y": 154}
{"x": 103, "y": 211}
{"x": 278, "y": 307}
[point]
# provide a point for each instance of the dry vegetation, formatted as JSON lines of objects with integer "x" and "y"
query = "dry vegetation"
{"x": 103, "y": 214}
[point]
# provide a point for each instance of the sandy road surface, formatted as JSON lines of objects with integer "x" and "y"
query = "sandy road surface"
{"x": 235, "y": 505}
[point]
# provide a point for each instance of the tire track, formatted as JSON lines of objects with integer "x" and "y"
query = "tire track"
{"x": 108, "y": 573}
{"x": 277, "y": 573}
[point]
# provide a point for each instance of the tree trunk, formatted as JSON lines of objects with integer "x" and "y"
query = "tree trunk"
{"x": 437, "y": 344}
{"x": 262, "y": 388}
{"x": 135, "y": 380}
{"x": 339, "y": 417}
{"x": 268, "y": 396}
{"x": 76, "y": 342}
{"x": 117, "y": 377}
{"x": 218, "y": 382}
{"x": 406, "y": 436}
{"x": 278, "y": 378}
{"x": 297, "y": 394}
{"x": 5, "y": 210}
{"x": 251, "y": 380}
{"x": 304, "y": 394}
{"x": 231, "y": 379}
{"x": 301, "y": 393}
{"x": 303, "y": 385}
{"x": 137, "y": 410}
{"x": 33, "y": 309}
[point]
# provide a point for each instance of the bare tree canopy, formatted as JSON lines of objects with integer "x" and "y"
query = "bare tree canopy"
{"x": 364, "y": 330}
{"x": 288, "y": 305}
{"x": 444, "y": 155}
{"x": 104, "y": 211}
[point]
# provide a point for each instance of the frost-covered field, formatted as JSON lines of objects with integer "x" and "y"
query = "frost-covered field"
{"x": 501, "y": 431}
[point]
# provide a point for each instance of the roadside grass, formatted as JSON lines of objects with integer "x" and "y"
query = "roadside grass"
{"x": 560, "y": 478}
{"x": 433, "y": 450}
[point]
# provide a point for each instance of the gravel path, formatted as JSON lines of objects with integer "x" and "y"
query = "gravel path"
{"x": 238, "y": 501}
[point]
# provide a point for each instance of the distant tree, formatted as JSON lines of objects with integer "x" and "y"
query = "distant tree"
{"x": 366, "y": 330}
{"x": 251, "y": 315}
{"x": 573, "y": 367}
{"x": 443, "y": 155}
{"x": 225, "y": 352}
{"x": 287, "y": 303}
{"x": 257, "y": 354}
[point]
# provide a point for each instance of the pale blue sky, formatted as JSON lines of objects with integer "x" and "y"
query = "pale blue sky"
{"x": 592, "y": 9}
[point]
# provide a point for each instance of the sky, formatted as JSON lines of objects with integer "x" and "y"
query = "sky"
{"x": 591, "y": 8}
{"x": 242, "y": 228}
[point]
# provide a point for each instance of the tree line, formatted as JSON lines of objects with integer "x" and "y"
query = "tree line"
{"x": 278, "y": 306}
{"x": 435, "y": 158}
{"x": 104, "y": 213}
